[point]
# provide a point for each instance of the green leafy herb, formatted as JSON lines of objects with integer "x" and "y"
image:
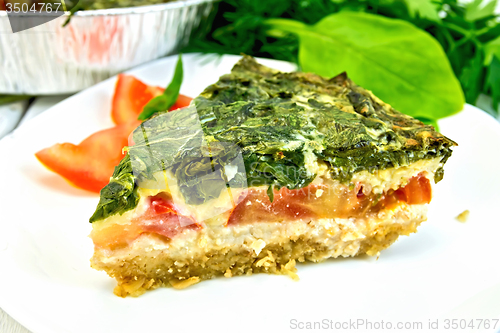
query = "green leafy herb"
{"x": 169, "y": 96}
{"x": 425, "y": 9}
{"x": 400, "y": 63}
{"x": 493, "y": 80}
{"x": 492, "y": 48}
{"x": 472, "y": 77}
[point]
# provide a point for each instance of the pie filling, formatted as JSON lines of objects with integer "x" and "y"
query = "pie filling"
{"x": 316, "y": 201}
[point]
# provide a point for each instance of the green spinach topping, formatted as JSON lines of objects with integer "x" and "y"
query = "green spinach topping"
{"x": 120, "y": 195}
{"x": 282, "y": 123}
{"x": 376, "y": 50}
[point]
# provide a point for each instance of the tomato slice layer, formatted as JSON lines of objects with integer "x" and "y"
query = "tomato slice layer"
{"x": 161, "y": 218}
{"x": 321, "y": 201}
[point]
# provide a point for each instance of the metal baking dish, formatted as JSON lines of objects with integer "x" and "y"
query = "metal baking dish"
{"x": 52, "y": 59}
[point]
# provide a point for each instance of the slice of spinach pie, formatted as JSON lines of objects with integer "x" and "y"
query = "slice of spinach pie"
{"x": 263, "y": 169}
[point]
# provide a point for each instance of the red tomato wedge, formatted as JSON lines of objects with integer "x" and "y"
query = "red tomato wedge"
{"x": 131, "y": 95}
{"x": 90, "y": 164}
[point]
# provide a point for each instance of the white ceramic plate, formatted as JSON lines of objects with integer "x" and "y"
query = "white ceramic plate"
{"x": 447, "y": 270}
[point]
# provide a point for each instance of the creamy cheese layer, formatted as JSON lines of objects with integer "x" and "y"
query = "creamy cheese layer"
{"x": 342, "y": 237}
{"x": 210, "y": 212}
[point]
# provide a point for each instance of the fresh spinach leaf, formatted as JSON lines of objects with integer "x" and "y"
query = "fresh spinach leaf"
{"x": 400, "y": 63}
{"x": 165, "y": 101}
